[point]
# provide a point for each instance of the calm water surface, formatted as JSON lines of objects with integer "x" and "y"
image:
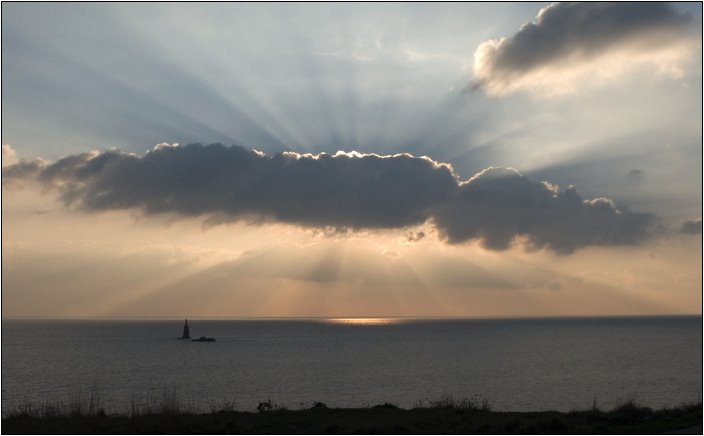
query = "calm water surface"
{"x": 528, "y": 364}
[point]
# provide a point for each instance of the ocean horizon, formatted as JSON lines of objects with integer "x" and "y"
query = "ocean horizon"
{"x": 327, "y": 318}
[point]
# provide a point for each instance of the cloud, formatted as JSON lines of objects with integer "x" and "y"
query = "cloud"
{"x": 415, "y": 236}
{"x": 574, "y": 44}
{"x": 9, "y": 156}
{"x": 342, "y": 191}
{"x": 636, "y": 174}
{"x": 15, "y": 174}
{"x": 498, "y": 204}
{"x": 691, "y": 227}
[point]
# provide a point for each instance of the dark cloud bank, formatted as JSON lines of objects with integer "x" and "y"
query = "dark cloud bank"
{"x": 691, "y": 227}
{"x": 578, "y": 31}
{"x": 346, "y": 190}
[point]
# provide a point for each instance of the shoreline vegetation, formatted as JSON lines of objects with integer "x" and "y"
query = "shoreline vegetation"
{"x": 168, "y": 415}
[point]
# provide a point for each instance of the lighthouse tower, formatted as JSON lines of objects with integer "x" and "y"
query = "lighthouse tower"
{"x": 186, "y": 332}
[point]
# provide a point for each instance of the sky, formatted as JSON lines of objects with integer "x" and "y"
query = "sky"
{"x": 351, "y": 160}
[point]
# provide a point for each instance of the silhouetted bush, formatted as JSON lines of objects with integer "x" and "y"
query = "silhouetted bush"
{"x": 265, "y": 406}
{"x": 268, "y": 406}
{"x": 629, "y": 412}
{"x": 449, "y": 402}
{"x": 385, "y": 406}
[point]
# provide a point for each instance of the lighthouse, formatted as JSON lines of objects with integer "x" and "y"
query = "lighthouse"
{"x": 186, "y": 332}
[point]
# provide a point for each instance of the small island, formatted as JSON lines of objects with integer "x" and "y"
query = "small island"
{"x": 187, "y": 334}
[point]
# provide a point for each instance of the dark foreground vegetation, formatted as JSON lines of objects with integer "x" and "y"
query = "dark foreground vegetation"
{"x": 445, "y": 416}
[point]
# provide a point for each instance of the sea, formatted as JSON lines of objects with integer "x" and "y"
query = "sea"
{"x": 511, "y": 364}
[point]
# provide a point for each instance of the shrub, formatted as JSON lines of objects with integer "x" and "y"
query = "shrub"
{"x": 264, "y": 406}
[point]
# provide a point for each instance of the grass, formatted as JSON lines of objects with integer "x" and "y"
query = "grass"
{"x": 74, "y": 406}
{"x": 447, "y": 415}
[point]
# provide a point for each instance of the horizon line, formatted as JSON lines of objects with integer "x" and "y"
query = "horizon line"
{"x": 324, "y": 318}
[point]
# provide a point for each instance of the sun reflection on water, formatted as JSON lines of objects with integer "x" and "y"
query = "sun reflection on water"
{"x": 363, "y": 321}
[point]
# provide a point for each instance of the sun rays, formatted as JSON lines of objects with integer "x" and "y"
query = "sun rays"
{"x": 311, "y": 231}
